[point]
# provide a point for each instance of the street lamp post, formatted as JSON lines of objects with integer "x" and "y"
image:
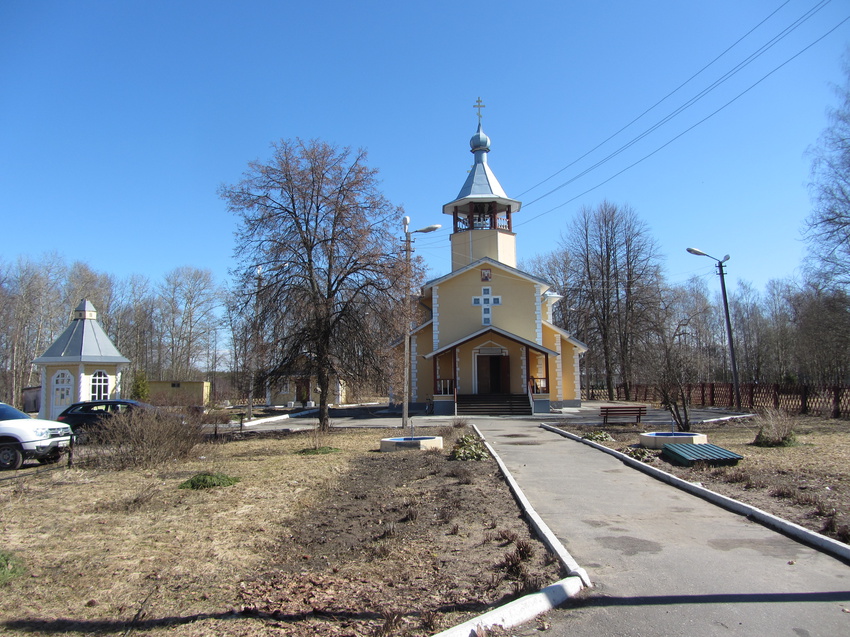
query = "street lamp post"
{"x": 720, "y": 267}
{"x": 408, "y": 249}
{"x": 253, "y": 346}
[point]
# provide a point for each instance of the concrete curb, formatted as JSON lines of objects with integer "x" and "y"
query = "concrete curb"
{"x": 549, "y": 538}
{"x": 263, "y": 421}
{"x": 529, "y": 606}
{"x": 520, "y": 610}
{"x": 823, "y": 543}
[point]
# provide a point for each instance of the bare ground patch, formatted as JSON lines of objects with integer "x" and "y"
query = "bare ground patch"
{"x": 348, "y": 543}
{"x": 807, "y": 483}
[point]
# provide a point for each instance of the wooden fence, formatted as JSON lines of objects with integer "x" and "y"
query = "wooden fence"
{"x": 831, "y": 401}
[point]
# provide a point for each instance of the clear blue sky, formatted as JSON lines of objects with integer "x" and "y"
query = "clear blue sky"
{"x": 119, "y": 120}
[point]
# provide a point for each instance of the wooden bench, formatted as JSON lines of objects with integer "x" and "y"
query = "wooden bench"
{"x": 622, "y": 412}
{"x": 687, "y": 454}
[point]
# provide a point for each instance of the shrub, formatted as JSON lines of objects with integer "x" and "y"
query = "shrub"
{"x": 776, "y": 430}
{"x": 140, "y": 390}
{"x": 468, "y": 447}
{"x": 639, "y": 453}
{"x": 11, "y": 567}
{"x": 208, "y": 480}
{"x": 598, "y": 436}
{"x": 144, "y": 438}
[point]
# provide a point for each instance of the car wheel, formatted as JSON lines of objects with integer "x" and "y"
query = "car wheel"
{"x": 11, "y": 457}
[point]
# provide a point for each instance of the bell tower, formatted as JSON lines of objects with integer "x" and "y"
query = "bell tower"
{"x": 482, "y": 224}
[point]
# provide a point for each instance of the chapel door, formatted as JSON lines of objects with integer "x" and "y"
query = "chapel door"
{"x": 62, "y": 395}
{"x": 493, "y": 375}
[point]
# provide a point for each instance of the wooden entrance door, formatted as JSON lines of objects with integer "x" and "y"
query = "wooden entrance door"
{"x": 493, "y": 375}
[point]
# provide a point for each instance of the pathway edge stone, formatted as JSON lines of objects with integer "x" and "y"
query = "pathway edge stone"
{"x": 520, "y": 610}
{"x": 529, "y": 606}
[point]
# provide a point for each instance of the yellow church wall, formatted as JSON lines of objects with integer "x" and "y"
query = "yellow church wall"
{"x": 468, "y": 247}
{"x": 422, "y": 369}
{"x": 517, "y": 313}
{"x": 566, "y": 361}
{"x": 458, "y": 317}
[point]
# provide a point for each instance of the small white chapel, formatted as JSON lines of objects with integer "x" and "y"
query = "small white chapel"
{"x": 81, "y": 364}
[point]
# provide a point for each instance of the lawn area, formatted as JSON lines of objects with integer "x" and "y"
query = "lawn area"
{"x": 347, "y": 542}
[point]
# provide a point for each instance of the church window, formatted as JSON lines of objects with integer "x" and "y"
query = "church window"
{"x": 99, "y": 386}
{"x": 486, "y": 301}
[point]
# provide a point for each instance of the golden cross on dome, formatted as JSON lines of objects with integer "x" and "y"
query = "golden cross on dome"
{"x": 479, "y": 105}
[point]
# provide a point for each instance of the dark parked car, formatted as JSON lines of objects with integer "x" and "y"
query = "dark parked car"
{"x": 86, "y": 417}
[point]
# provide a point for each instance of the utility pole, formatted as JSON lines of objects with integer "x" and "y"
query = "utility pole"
{"x": 408, "y": 250}
{"x": 720, "y": 263}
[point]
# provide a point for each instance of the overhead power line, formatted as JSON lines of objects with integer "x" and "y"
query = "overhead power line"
{"x": 659, "y": 102}
{"x": 670, "y": 141}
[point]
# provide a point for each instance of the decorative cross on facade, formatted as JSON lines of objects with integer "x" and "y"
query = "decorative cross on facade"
{"x": 486, "y": 302}
{"x": 479, "y": 105}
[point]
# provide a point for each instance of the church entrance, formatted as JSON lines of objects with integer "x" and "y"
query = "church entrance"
{"x": 493, "y": 374}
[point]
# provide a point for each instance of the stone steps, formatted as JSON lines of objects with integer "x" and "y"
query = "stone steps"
{"x": 493, "y": 405}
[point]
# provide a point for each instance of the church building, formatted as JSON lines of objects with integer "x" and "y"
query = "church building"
{"x": 488, "y": 344}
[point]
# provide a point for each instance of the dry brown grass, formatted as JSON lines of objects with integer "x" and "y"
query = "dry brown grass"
{"x": 97, "y": 543}
{"x": 301, "y": 545}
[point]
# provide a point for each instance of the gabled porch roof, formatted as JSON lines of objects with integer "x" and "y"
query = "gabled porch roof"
{"x": 495, "y": 330}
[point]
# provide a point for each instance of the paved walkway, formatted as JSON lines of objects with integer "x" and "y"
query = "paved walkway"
{"x": 664, "y": 562}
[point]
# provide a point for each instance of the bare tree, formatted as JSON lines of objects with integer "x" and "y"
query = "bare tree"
{"x": 828, "y": 227}
{"x": 670, "y": 360}
{"x": 314, "y": 222}
{"x": 30, "y": 290}
{"x": 188, "y": 298}
{"x": 82, "y": 282}
{"x": 822, "y": 326}
{"x": 615, "y": 271}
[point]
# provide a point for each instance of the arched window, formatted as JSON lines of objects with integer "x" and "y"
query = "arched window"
{"x": 99, "y": 386}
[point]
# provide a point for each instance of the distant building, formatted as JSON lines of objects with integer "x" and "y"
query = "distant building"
{"x": 82, "y": 364}
{"x": 182, "y": 393}
{"x": 489, "y": 330}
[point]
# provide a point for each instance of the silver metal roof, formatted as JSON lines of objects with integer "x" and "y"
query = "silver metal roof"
{"x": 83, "y": 341}
{"x": 481, "y": 184}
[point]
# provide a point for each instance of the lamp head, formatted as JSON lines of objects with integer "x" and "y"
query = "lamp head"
{"x": 699, "y": 253}
{"x": 431, "y": 228}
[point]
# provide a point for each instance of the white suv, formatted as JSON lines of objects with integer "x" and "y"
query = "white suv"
{"x": 22, "y": 437}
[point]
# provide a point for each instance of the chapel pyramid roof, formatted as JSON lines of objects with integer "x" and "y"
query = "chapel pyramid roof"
{"x": 83, "y": 341}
